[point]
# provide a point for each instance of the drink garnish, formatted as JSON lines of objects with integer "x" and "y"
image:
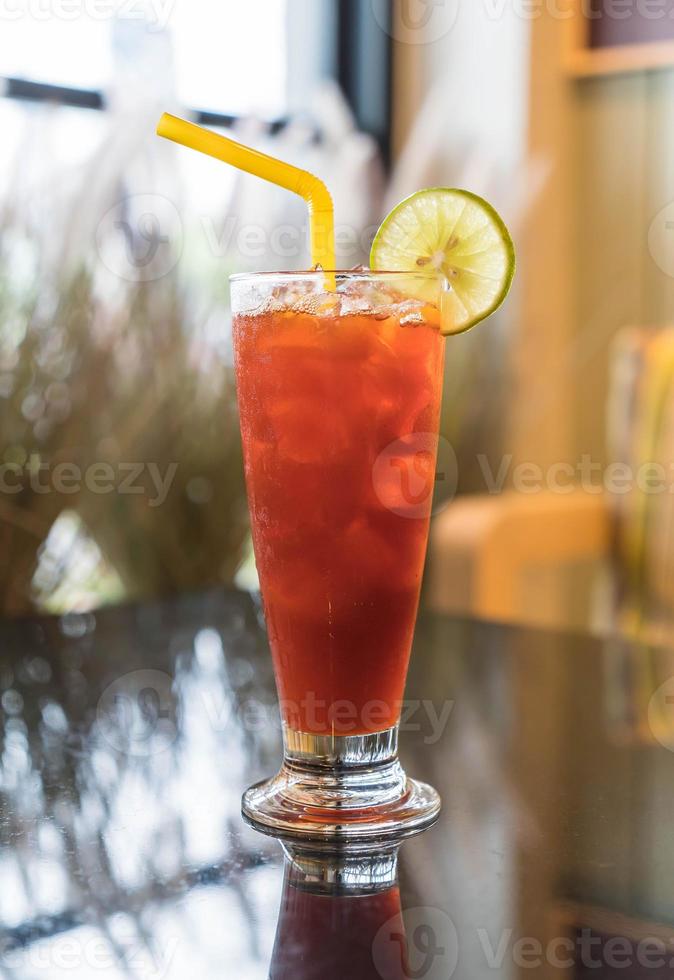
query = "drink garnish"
{"x": 461, "y": 241}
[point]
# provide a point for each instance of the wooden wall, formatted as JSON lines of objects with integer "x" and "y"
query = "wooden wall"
{"x": 585, "y": 268}
{"x": 625, "y": 178}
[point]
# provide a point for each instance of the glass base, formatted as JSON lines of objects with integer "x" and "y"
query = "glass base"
{"x": 341, "y": 788}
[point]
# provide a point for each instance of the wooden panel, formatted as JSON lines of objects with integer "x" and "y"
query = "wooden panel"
{"x": 540, "y": 423}
{"x": 658, "y": 189}
{"x": 610, "y": 243}
{"x": 586, "y": 62}
{"x": 602, "y": 45}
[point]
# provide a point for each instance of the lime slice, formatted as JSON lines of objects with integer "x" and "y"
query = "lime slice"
{"x": 460, "y": 237}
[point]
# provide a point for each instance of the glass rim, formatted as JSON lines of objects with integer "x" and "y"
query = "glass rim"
{"x": 339, "y": 273}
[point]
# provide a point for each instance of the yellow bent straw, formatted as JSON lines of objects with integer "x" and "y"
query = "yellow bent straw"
{"x": 313, "y": 190}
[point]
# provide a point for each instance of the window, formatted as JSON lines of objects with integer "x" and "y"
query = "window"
{"x": 224, "y": 60}
{"x": 227, "y": 57}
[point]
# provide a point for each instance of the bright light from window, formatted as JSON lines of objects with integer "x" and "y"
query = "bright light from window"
{"x": 228, "y": 57}
{"x": 75, "y": 53}
{"x": 231, "y": 56}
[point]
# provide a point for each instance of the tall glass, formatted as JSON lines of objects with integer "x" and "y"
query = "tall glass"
{"x": 339, "y": 397}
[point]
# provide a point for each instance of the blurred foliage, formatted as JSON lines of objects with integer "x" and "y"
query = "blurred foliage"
{"x": 125, "y": 379}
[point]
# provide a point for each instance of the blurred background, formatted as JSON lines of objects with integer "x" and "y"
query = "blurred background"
{"x": 120, "y": 469}
{"x": 121, "y": 475}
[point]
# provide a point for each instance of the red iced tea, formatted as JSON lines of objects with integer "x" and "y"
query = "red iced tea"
{"x": 339, "y": 418}
{"x": 335, "y": 937}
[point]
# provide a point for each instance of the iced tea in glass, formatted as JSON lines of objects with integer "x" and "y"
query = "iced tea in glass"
{"x": 339, "y": 397}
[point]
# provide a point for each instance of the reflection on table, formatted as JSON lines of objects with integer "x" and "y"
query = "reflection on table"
{"x": 127, "y": 738}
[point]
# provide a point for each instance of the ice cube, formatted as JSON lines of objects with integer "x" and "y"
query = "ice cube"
{"x": 412, "y": 319}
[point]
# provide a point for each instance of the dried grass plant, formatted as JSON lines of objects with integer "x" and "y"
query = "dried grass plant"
{"x": 91, "y": 375}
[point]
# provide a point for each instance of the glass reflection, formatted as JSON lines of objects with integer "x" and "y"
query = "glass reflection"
{"x": 116, "y": 824}
{"x": 340, "y": 917}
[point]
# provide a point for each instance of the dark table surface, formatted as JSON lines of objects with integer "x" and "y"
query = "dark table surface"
{"x": 128, "y": 736}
